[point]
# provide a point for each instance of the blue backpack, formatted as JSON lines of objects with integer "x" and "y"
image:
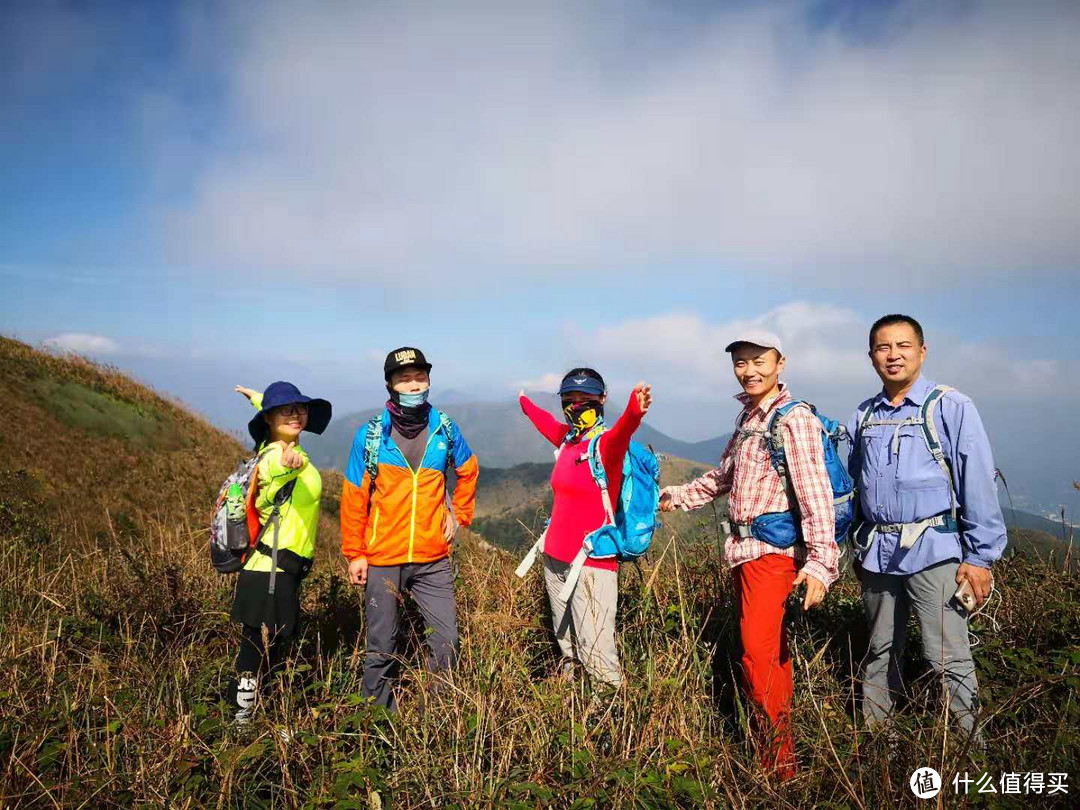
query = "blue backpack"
{"x": 783, "y": 529}
{"x": 629, "y": 523}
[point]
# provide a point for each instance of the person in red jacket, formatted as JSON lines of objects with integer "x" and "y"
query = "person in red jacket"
{"x": 584, "y": 628}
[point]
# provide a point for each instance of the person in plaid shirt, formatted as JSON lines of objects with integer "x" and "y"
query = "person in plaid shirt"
{"x": 765, "y": 575}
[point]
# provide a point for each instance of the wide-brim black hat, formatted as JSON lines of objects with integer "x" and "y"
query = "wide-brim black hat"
{"x": 285, "y": 393}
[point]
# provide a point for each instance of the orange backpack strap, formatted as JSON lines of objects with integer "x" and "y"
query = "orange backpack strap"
{"x": 253, "y": 522}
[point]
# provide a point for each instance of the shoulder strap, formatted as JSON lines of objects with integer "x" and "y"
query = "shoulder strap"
{"x": 446, "y": 424}
{"x": 599, "y": 474}
{"x": 774, "y": 440}
{"x": 281, "y": 497}
{"x": 372, "y": 439}
{"x": 933, "y": 440}
{"x": 861, "y": 420}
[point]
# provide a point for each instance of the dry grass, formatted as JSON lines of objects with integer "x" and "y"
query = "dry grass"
{"x": 116, "y": 656}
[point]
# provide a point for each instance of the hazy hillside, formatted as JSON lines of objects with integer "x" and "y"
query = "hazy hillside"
{"x": 117, "y": 650}
{"x": 500, "y": 435}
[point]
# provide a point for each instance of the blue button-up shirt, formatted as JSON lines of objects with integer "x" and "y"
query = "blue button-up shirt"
{"x": 901, "y": 483}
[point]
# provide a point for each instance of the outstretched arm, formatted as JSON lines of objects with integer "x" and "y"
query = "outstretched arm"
{"x": 550, "y": 428}
{"x": 253, "y": 396}
{"x": 615, "y": 442}
{"x": 706, "y": 488}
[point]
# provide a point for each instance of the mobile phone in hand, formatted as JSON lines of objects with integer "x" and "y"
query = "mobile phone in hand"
{"x": 965, "y": 596}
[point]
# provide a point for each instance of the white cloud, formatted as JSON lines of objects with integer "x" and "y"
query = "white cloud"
{"x": 682, "y": 355}
{"x": 387, "y": 142}
{"x": 821, "y": 341}
{"x": 83, "y": 343}
{"x": 545, "y": 382}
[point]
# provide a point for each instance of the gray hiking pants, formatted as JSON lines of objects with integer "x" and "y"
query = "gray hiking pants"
{"x": 887, "y": 600}
{"x": 585, "y": 629}
{"x": 431, "y": 586}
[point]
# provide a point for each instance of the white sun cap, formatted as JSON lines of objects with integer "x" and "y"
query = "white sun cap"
{"x": 756, "y": 337}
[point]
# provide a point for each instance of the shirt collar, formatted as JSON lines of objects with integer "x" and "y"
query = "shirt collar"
{"x": 916, "y": 395}
{"x": 766, "y": 405}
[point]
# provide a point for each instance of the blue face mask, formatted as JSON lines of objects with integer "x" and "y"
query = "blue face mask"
{"x": 413, "y": 400}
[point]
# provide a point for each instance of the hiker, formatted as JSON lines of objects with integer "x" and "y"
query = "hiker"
{"x": 765, "y": 574}
{"x": 267, "y": 603}
{"x": 585, "y": 623}
{"x": 397, "y": 529}
{"x": 930, "y": 520}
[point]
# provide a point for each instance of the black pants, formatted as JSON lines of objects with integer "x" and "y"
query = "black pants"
{"x": 255, "y": 608}
{"x": 257, "y": 658}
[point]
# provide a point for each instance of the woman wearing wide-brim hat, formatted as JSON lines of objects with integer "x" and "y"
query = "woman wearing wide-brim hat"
{"x": 268, "y": 599}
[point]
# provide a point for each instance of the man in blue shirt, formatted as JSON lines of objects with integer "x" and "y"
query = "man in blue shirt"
{"x": 930, "y": 519}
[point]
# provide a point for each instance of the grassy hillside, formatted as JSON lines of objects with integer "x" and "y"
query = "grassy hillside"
{"x": 116, "y": 649}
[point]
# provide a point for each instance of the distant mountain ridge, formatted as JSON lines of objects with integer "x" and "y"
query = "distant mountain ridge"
{"x": 499, "y": 434}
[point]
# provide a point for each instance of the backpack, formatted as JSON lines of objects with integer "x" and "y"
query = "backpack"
{"x": 235, "y": 528}
{"x": 632, "y": 520}
{"x": 783, "y": 529}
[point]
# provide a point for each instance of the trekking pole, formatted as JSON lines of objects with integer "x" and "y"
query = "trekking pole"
{"x": 1012, "y": 508}
{"x": 716, "y": 527}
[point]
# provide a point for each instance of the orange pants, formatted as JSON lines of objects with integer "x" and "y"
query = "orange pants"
{"x": 762, "y": 587}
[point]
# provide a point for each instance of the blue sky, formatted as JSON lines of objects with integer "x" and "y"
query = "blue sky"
{"x": 206, "y": 193}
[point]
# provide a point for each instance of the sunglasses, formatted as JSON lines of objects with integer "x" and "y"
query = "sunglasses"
{"x": 291, "y": 410}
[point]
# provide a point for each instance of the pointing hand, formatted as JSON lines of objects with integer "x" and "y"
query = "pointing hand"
{"x": 291, "y": 458}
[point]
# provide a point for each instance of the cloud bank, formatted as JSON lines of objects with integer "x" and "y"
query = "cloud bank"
{"x": 386, "y": 143}
{"x": 682, "y": 356}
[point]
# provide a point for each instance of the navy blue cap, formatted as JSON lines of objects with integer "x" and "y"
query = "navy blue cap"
{"x": 585, "y": 380}
{"x": 285, "y": 393}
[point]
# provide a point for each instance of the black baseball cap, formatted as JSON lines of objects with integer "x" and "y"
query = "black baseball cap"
{"x": 405, "y": 356}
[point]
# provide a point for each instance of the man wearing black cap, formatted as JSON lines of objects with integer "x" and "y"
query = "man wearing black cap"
{"x": 396, "y": 525}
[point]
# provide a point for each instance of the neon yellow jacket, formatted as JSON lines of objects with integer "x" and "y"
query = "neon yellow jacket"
{"x": 300, "y": 514}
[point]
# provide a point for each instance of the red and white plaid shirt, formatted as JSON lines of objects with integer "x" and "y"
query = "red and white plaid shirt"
{"x": 748, "y": 474}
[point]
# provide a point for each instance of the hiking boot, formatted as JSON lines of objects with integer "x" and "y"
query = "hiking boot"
{"x": 242, "y": 719}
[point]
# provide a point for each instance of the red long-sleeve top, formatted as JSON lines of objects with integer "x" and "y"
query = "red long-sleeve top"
{"x": 578, "y": 507}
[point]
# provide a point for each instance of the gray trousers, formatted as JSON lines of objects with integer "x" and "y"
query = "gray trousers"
{"x": 887, "y": 600}
{"x": 431, "y": 586}
{"x": 585, "y": 629}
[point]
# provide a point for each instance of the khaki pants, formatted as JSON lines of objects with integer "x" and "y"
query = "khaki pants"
{"x": 586, "y": 628}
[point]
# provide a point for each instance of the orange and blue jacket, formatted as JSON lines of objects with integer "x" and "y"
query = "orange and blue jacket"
{"x": 402, "y": 520}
